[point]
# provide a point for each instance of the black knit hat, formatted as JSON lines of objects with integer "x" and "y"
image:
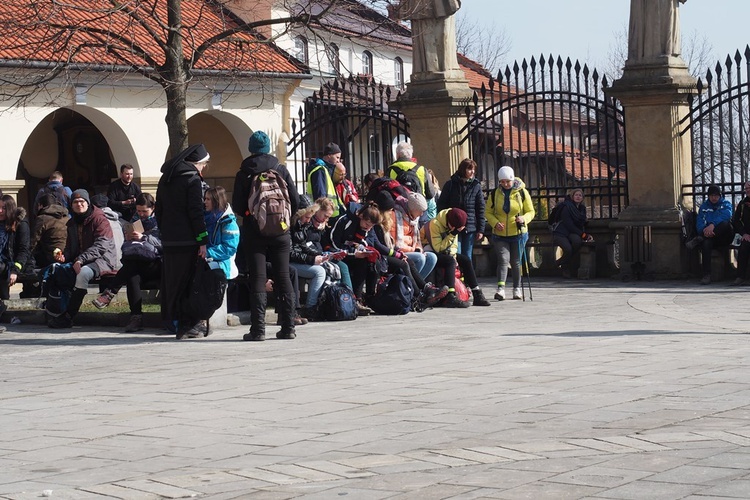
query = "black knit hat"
{"x": 331, "y": 149}
{"x": 714, "y": 189}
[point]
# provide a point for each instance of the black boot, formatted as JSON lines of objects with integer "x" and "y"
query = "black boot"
{"x": 257, "y": 317}
{"x": 479, "y": 299}
{"x": 287, "y": 312}
{"x": 76, "y": 299}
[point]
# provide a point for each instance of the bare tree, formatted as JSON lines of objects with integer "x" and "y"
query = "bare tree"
{"x": 486, "y": 43}
{"x": 170, "y": 42}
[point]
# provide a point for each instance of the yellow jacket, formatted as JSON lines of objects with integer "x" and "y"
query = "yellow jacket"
{"x": 520, "y": 204}
{"x": 437, "y": 234}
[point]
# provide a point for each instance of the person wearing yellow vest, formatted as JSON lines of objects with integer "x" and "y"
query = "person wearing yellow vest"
{"x": 320, "y": 178}
{"x": 405, "y": 161}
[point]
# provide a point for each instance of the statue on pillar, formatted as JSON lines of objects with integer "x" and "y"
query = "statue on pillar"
{"x": 654, "y": 31}
{"x": 433, "y": 31}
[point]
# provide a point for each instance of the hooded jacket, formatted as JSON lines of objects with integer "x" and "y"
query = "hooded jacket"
{"x": 520, "y": 204}
{"x": 18, "y": 250}
{"x": 223, "y": 240}
{"x": 50, "y": 232}
{"x": 117, "y": 233}
{"x": 466, "y": 195}
{"x": 179, "y": 209}
{"x": 572, "y": 219}
{"x": 91, "y": 242}
{"x": 715, "y": 214}
{"x": 252, "y": 166}
{"x": 438, "y": 236}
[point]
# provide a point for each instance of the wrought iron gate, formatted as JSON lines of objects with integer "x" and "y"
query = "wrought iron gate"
{"x": 353, "y": 113}
{"x": 551, "y": 121}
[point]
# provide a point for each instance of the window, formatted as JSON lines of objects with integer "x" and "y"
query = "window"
{"x": 398, "y": 72}
{"x": 334, "y": 59}
{"x": 366, "y": 63}
{"x": 300, "y": 49}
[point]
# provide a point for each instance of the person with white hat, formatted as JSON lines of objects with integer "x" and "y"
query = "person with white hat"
{"x": 509, "y": 210}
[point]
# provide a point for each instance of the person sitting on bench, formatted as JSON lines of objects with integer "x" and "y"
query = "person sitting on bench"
{"x": 714, "y": 225}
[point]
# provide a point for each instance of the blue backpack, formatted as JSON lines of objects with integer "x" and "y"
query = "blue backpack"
{"x": 393, "y": 295}
{"x": 58, "y": 281}
{"x": 336, "y": 303}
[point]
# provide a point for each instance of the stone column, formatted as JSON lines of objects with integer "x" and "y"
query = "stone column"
{"x": 654, "y": 92}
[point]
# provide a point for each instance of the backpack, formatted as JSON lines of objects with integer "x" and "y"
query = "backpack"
{"x": 410, "y": 180}
{"x": 59, "y": 193}
{"x": 207, "y": 290}
{"x": 268, "y": 203}
{"x": 393, "y": 295}
{"x": 387, "y": 184}
{"x": 58, "y": 281}
{"x": 336, "y": 303}
{"x": 553, "y": 219}
{"x": 688, "y": 222}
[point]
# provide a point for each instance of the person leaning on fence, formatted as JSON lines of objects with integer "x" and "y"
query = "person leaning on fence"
{"x": 440, "y": 236}
{"x": 714, "y": 226}
{"x": 464, "y": 191}
{"x": 179, "y": 214}
{"x": 90, "y": 247}
{"x": 741, "y": 224}
{"x": 141, "y": 262}
{"x": 569, "y": 232}
{"x": 320, "y": 173}
{"x": 259, "y": 248}
{"x": 509, "y": 211}
{"x": 15, "y": 252}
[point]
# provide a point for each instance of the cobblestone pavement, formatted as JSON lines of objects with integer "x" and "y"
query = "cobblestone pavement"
{"x": 598, "y": 390}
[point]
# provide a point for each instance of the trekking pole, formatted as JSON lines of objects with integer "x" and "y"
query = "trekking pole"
{"x": 524, "y": 262}
{"x": 520, "y": 256}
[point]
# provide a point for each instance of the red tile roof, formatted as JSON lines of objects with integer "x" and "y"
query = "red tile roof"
{"x": 94, "y": 32}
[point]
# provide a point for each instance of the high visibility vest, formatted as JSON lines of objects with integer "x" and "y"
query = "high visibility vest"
{"x": 330, "y": 189}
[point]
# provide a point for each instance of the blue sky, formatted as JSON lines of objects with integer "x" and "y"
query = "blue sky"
{"x": 584, "y": 29}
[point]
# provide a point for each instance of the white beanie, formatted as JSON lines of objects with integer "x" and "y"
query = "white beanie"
{"x": 505, "y": 173}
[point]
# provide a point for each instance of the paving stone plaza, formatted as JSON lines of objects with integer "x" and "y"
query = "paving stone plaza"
{"x": 596, "y": 389}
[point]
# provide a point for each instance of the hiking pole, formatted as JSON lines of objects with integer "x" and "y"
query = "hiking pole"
{"x": 524, "y": 261}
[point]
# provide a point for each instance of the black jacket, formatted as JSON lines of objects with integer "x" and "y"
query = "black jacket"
{"x": 18, "y": 250}
{"x": 179, "y": 205}
{"x": 251, "y": 166}
{"x": 572, "y": 219}
{"x": 119, "y": 192}
{"x": 741, "y": 217}
{"x": 307, "y": 243}
{"x": 468, "y": 197}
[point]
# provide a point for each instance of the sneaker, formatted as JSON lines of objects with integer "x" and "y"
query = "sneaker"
{"x": 198, "y": 330}
{"x": 479, "y": 299}
{"x": 500, "y": 294}
{"x": 363, "y": 310}
{"x": 135, "y": 324}
{"x": 517, "y": 295}
{"x": 254, "y": 337}
{"x": 103, "y": 299}
{"x": 694, "y": 242}
{"x": 452, "y": 300}
{"x": 737, "y": 282}
{"x": 431, "y": 294}
{"x": 288, "y": 335}
{"x": 62, "y": 321}
{"x": 706, "y": 280}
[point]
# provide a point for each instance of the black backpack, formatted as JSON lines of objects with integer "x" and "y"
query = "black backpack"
{"x": 393, "y": 295}
{"x": 410, "y": 180}
{"x": 336, "y": 303}
{"x": 59, "y": 193}
{"x": 58, "y": 281}
{"x": 206, "y": 290}
{"x": 688, "y": 222}
{"x": 553, "y": 219}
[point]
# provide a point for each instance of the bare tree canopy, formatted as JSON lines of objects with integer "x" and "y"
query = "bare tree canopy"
{"x": 486, "y": 43}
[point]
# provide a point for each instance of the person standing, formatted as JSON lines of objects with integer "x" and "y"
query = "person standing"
{"x": 405, "y": 163}
{"x": 123, "y": 192}
{"x": 509, "y": 211}
{"x": 320, "y": 174}
{"x": 259, "y": 247}
{"x": 179, "y": 215}
{"x": 55, "y": 187}
{"x": 464, "y": 191}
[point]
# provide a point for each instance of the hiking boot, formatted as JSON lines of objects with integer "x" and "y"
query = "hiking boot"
{"x": 737, "y": 282}
{"x": 62, "y": 321}
{"x": 706, "y": 280}
{"x": 135, "y": 324}
{"x": 103, "y": 299}
{"x": 431, "y": 294}
{"x": 500, "y": 293}
{"x": 308, "y": 314}
{"x": 452, "y": 300}
{"x": 286, "y": 335}
{"x": 479, "y": 299}
{"x": 298, "y": 320}
{"x": 3, "y": 307}
{"x": 254, "y": 337}
{"x": 517, "y": 295}
{"x": 198, "y": 330}
{"x": 363, "y": 310}
{"x": 694, "y": 243}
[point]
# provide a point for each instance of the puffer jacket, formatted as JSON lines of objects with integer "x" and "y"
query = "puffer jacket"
{"x": 91, "y": 242}
{"x": 715, "y": 214}
{"x": 223, "y": 240}
{"x": 307, "y": 243}
{"x": 466, "y": 195}
{"x": 520, "y": 204}
{"x": 50, "y": 232}
{"x": 437, "y": 237}
{"x": 405, "y": 232}
{"x": 18, "y": 250}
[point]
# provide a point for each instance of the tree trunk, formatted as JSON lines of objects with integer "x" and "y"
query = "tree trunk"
{"x": 176, "y": 73}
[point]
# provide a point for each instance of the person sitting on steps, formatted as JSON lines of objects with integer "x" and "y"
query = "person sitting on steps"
{"x": 714, "y": 226}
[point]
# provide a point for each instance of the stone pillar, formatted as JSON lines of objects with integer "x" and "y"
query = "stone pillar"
{"x": 654, "y": 97}
{"x": 434, "y": 125}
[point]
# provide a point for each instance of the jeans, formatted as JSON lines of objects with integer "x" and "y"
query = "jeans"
{"x": 423, "y": 261}
{"x": 466, "y": 244}
{"x": 316, "y": 275}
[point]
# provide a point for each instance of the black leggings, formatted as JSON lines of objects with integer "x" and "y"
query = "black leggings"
{"x": 133, "y": 273}
{"x": 363, "y": 275}
{"x": 724, "y": 233}
{"x": 448, "y": 264}
{"x": 406, "y": 267}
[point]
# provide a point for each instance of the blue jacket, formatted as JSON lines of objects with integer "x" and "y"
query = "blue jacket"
{"x": 223, "y": 239}
{"x": 709, "y": 214}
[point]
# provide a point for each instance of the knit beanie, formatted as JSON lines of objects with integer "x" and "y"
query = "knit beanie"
{"x": 505, "y": 174}
{"x": 456, "y": 218}
{"x": 416, "y": 202}
{"x": 331, "y": 149}
{"x": 100, "y": 200}
{"x": 259, "y": 143}
{"x": 384, "y": 201}
{"x": 81, "y": 193}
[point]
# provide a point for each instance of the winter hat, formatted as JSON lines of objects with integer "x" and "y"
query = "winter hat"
{"x": 198, "y": 155}
{"x": 385, "y": 201}
{"x": 81, "y": 193}
{"x": 714, "y": 189}
{"x": 259, "y": 143}
{"x": 331, "y": 149}
{"x": 456, "y": 218}
{"x": 416, "y": 202}
{"x": 505, "y": 173}
{"x": 100, "y": 200}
